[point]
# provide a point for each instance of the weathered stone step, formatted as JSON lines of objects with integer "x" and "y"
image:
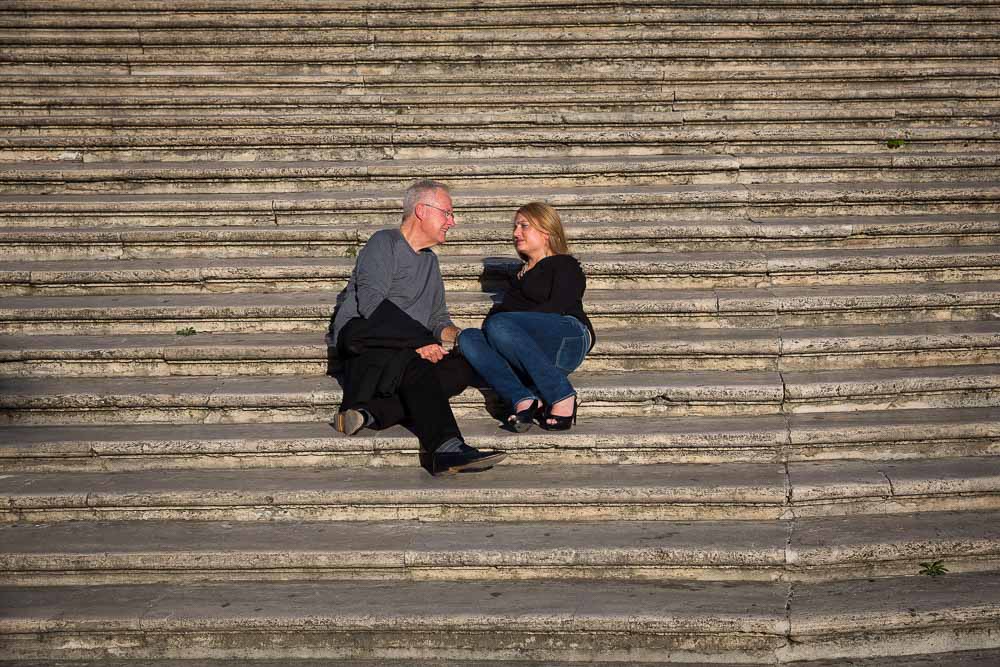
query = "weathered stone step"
{"x": 612, "y": 271}
{"x": 153, "y": 101}
{"x": 310, "y": 311}
{"x": 638, "y": 622}
{"x": 637, "y": 348}
{"x": 510, "y": 492}
{"x": 423, "y": 12}
{"x": 322, "y": 138}
{"x": 871, "y": 435}
{"x": 258, "y": 177}
{"x": 567, "y": 16}
{"x": 364, "y": 53}
{"x": 148, "y": 552}
{"x": 600, "y": 232}
{"x": 406, "y": 76}
{"x": 613, "y": 32}
{"x": 255, "y": 399}
{"x": 957, "y": 84}
{"x": 698, "y": 204}
{"x": 972, "y": 658}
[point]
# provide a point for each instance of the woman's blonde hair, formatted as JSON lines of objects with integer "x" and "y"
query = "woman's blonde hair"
{"x": 544, "y": 218}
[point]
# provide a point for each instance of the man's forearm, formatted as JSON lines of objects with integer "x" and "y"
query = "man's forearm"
{"x": 449, "y": 335}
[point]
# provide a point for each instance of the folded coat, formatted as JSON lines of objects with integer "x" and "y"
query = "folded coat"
{"x": 375, "y": 351}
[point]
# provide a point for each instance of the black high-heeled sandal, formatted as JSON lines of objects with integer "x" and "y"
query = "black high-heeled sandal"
{"x": 521, "y": 421}
{"x": 559, "y": 422}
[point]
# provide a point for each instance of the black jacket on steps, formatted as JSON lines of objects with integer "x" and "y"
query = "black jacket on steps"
{"x": 375, "y": 351}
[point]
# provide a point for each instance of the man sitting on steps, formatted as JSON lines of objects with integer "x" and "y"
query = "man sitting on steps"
{"x": 388, "y": 328}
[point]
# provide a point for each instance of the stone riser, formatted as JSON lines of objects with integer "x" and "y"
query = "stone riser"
{"x": 452, "y": 131}
{"x": 317, "y": 364}
{"x": 76, "y": 249}
{"x": 335, "y": 457}
{"x": 785, "y": 551}
{"x": 36, "y": 285}
{"x": 733, "y": 491}
{"x": 765, "y": 350}
{"x": 489, "y": 48}
{"x": 895, "y": 435}
{"x": 931, "y": 95}
{"x": 252, "y": 399}
{"x": 717, "y": 622}
{"x": 21, "y": 150}
{"x": 33, "y": 105}
{"x": 310, "y": 312}
{"x": 861, "y": 174}
{"x": 722, "y": 209}
{"x": 584, "y": 31}
{"x": 168, "y": 571}
{"x": 368, "y": 13}
{"x": 297, "y": 323}
{"x": 488, "y": 64}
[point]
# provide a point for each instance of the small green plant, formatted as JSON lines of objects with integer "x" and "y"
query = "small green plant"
{"x": 933, "y": 569}
{"x": 895, "y": 143}
{"x": 186, "y": 331}
{"x": 351, "y": 251}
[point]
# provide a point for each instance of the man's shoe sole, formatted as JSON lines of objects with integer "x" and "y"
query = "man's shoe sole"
{"x": 479, "y": 465}
{"x": 349, "y": 422}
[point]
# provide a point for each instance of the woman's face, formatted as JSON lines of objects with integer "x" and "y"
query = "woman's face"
{"x": 528, "y": 240}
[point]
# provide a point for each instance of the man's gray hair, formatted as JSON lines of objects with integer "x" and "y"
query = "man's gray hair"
{"x": 416, "y": 192}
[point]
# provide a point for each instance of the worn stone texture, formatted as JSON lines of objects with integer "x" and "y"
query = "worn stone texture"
{"x": 789, "y": 215}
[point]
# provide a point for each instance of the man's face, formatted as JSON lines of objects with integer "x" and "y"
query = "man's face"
{"x": 436, "y": 216}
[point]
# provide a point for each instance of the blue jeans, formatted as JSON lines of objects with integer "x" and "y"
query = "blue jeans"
{"x": 527, "y": 355}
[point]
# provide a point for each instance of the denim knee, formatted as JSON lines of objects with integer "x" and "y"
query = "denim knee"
{"x": 502, "y": 330}
{"x": 469, "y": 339}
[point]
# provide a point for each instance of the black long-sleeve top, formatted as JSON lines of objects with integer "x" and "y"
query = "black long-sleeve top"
{"x": 554, "y": 285}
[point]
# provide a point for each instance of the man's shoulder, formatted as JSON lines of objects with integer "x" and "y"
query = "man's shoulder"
{"x": 386, "y": 237}
{"x": 381, "y": 244}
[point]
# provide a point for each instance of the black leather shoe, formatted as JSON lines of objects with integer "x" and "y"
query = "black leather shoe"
{"x": 464, "y": 459}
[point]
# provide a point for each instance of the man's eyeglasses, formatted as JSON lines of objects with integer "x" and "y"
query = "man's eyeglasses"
{"x": 448, "y": 214}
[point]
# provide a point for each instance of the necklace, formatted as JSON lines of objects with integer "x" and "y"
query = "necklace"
{"x": 528, "y": 266}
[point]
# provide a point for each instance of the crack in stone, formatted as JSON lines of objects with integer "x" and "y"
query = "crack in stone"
{"x": 892, "y": 487}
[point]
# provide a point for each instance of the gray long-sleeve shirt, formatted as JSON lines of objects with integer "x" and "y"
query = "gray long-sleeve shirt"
{"x": 388, "y": 268}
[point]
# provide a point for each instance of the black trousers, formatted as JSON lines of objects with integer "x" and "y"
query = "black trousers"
{"x": 421, "y": 402}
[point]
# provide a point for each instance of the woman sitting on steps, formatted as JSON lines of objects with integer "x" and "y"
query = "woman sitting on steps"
{"x": 533, "y": 339}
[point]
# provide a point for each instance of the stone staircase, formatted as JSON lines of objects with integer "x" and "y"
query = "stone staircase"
{"x": 789, "y": 213}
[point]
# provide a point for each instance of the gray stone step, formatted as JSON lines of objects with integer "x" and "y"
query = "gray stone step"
{"x": 604, "y": 271}
{"x": 653, "y": 99}
{"x": 147, "y": 552}
{"x": 255, "y": 399}
{"x": 450, "y": 53}
{"x": 825, "y": 436}
{"x": 362, "y": 24}
{"x": 646, "y": 205}
{"x": 399, "y": 77}
{"x": 637, "y": 348}
{"x": 639, "y": 622}
{"x": 924, "y": 90}
{"x": 199, "y": 13}
{"x": 584, "y": 30}
{"x": 709, "y": 308}
{"x": 972, "y": 658}
{"x": 298, "y": 139}
{"x": 602, "y": 233}
{"x": 510, "y": 492}
{"x": 35, "y": 178}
